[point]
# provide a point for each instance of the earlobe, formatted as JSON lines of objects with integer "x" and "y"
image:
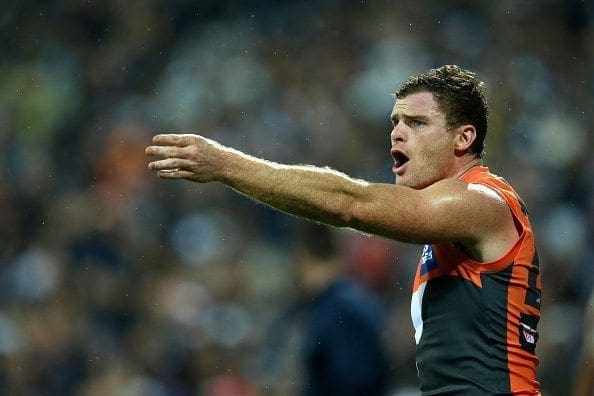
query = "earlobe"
{"x": 465, "y": 136}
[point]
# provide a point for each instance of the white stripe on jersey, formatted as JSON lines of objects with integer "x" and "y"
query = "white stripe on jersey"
{"x": 416, "y": 305}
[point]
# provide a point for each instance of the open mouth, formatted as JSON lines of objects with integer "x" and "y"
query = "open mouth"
{"x": 399, "y": 159}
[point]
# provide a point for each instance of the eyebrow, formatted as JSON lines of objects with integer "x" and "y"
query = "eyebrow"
{"x": 395, "y": 117}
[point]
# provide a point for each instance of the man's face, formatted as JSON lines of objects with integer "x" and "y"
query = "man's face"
{"x": 422, "y": 146}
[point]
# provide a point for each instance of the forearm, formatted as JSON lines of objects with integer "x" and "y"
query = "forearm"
{"x": 319, "y": 194}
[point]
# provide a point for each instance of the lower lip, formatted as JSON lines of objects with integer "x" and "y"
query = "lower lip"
{"x": 399, "y": 170}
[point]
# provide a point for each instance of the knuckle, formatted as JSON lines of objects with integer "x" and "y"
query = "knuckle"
{"x": 193, "y": 151}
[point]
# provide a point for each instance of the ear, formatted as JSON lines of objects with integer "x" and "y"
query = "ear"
{"x": 463, "y": 138}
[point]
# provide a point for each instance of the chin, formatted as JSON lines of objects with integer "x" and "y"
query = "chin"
{"x": 401, "y": 181}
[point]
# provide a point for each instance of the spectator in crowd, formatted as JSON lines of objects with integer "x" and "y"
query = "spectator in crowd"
{"x": 343, "y": 349}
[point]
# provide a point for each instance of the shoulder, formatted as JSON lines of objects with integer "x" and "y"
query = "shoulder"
{"x": 469, "y": 211}
{"x": 476, "y": 215}
{"x": 467, "y": 195}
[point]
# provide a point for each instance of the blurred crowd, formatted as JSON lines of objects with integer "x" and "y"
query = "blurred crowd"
{"x": 113, "y": 282}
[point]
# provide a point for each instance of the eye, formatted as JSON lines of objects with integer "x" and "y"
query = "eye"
{"x": 416, "y": 123}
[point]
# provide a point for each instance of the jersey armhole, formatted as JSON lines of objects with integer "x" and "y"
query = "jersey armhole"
{"x": 506, "y": 258}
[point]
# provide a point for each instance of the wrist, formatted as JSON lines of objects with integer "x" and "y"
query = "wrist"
{"x": 227, "y": 162}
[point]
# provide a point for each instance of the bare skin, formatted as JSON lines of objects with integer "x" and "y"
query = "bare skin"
{"x": 427, "y": 204}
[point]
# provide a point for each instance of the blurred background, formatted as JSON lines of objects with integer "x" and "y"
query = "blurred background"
{"x": 113, "y": 282}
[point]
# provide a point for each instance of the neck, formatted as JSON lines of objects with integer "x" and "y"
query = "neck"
{"x": 472, "y": 163}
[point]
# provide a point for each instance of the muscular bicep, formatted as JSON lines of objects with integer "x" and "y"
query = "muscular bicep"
{"x": 445, "y": 212}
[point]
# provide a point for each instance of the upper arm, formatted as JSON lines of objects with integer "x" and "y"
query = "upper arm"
{"x": 447, "y": 211}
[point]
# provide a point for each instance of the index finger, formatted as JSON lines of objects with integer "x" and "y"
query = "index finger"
{"x": 174, "y": 139}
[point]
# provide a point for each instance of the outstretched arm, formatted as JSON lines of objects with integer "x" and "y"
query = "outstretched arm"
{"x": 320, "y": 194}
{"x": 438, "y": 213}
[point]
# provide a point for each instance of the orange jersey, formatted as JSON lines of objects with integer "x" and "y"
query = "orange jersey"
{"x": 475, "y": 323}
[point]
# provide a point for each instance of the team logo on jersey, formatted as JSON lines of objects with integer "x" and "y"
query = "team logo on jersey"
{"x": 428, "y": 262}
{"x": 528, "y": 333}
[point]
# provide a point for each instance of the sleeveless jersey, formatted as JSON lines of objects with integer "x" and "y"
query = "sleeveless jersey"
{"x": 475, "y": 323}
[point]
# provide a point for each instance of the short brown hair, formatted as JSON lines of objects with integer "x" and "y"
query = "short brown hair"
{"x": 459, "y": 94}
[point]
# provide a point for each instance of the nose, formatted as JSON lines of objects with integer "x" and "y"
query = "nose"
{"x": 397, "y": 134}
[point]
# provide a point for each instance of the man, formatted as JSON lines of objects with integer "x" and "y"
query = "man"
{"x": 476, "y": 296}
{"x": 342, "y": 347}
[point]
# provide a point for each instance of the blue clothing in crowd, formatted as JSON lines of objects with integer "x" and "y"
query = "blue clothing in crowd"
{"x": 343, "y": 351}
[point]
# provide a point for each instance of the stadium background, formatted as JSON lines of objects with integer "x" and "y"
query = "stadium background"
{"x": 113, "y": 282}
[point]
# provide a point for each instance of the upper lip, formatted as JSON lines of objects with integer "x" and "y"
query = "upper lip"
{"x": 397, "y": 154}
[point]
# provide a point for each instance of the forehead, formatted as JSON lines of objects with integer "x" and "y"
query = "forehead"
{"x": 418, "y": 103}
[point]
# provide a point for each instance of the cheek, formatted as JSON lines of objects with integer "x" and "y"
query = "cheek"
{"x": 436, "y": 145}
{"x": 433, "y": 158}
{"x": 429, "y": 151}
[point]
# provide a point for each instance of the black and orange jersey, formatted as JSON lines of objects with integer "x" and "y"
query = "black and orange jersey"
{"x": 475, "y": 323}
